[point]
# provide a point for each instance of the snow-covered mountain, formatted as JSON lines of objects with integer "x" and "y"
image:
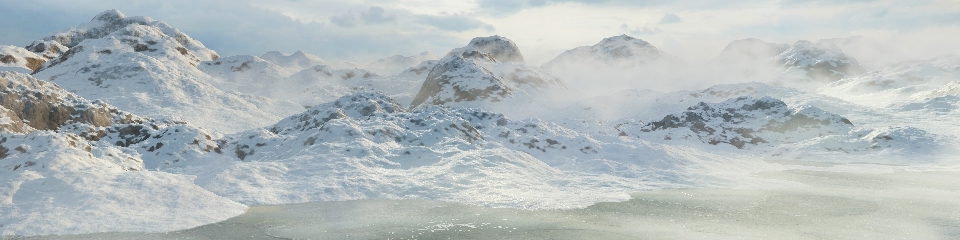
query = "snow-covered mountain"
{"x": 395, "y": 64}
{"x": 619, "y": 52}
{"x": 781, "y": 131}
{"x": 71, "y": 165}
{"x": 746, "y": 120}
{"x": 806, "y": 62}
{"x": 149, "y": 68}
{"x": 615, "y": 63}
{"x": 488, "y": 72}
{"x": 805, "y": 65}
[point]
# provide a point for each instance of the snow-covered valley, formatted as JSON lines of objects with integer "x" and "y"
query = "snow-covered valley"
{"x": 127, "y": 124}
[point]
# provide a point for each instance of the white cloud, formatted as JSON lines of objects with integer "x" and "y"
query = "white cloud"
{"x": 376, "y": 15}
{"x": 454, "y": 22}
{"x": 345, "y": 20}
{"x": 669, "y": 18}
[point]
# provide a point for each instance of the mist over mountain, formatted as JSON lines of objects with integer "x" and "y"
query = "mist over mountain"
{"x": 395, "y": 64}
{"x": 126, "y": 124}
{"x": 807, "y": 62}
{"x": 749, "y": 50}
{"x": 615, "y": 63}
{"x": 489, "y": 72}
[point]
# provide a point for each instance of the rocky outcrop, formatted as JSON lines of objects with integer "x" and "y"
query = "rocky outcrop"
{"x": 13, "y": 56}
{"x": 45, "y": 106}
{"x": 745, "y": 121}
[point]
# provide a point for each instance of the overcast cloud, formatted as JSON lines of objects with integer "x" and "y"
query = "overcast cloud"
{"x": 364, "y": 30}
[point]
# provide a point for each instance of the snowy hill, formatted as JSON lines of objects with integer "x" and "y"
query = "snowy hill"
{"x": 72, "y": 166}
{"x": 807, "y": 63}
{"x": 619, "y": 51}
{"x": 615, "y": 63}
{"x": 395, "y": 64}
{"x": 781, "y": 131}
{"x": 299, "y": 61}
{"x": 487, "y": 73}
{"x": 746, "y": 120}
{"x": 803, "y": 65}
{"x": 367, "y": 145}
{"x": 149, "y": 68}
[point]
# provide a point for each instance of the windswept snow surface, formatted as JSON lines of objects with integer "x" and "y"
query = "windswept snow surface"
{"x": 69, "y": 165}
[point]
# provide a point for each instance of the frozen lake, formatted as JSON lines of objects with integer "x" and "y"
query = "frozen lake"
{"x": 825, "y": 205}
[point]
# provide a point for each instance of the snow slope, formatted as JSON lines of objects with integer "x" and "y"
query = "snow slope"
{"x": 149, "y": 68}
{"x": 70, "y": 165}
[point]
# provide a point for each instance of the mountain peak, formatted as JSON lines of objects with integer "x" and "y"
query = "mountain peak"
{"x": 493, "y": 47}
{"x": 112, "y": 15}
{"x": 616, "y": 40}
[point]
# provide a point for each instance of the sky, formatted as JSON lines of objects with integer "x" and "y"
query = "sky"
{"x": 365, "y": 30}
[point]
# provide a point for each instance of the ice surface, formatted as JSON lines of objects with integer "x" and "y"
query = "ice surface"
{"x": 826, "y": 204}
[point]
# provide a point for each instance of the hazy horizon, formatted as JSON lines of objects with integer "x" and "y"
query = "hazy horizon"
{"x": 695, "y": 31}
